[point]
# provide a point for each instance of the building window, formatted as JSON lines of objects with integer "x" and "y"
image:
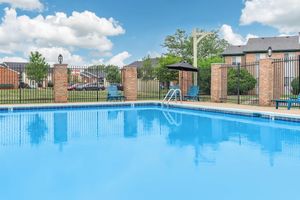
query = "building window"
{"x": 260, "y": 56}
{"x": 236, "y": 60}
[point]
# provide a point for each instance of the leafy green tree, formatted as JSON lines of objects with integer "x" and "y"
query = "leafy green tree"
{"x": 204, "y": 77}
{"x": 180, "y": 44}
{"x": 37, "y": 69}
{"x": 146, "y": 72}
{"x": 163, "y": 74}
{"x": 211, "y": 46}
{"x": 295, "y": 86}
{"x": 113, "y": 74}
{"x": 247, "y": 81}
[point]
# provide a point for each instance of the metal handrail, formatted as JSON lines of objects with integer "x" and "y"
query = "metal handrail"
{"x": 173, "y": 92}
{"x": 169, "y": 92}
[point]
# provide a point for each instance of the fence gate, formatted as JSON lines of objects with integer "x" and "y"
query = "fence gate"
{"x": 286, "y": 78}
{"x": 243, "y": 84}
{"x": 20, "y": 86}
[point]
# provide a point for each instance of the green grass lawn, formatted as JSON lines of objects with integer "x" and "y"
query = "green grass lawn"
{"x": 15, "y": 96}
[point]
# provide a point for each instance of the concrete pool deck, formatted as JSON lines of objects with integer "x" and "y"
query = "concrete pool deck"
{"x": 223, "y": 107}
{"x": 281, "y": 110}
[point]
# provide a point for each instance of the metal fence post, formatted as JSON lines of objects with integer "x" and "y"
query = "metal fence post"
{"x": 20, "y": 88}
{"x": 238, "y": 83}
{"x": 159, "y": 90}
{"x": 299, "y": 74}
{"x": 98, "y": 79}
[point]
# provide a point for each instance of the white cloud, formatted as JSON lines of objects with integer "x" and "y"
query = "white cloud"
{"x": 51, "y": 55}
{"x": 119, "y": 59}
{"x": 282, "y": 15}
{"x": 24, "y": 4}
{"x": 82, "y": 30}
{"x": 233, "y": 38}
{"x": 12, "y": 59}
{"x": 153, "y": 54}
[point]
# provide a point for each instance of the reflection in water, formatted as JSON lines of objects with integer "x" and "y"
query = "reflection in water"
{"x": 205, "y": 132}
{"x": 60, "y": 128}
{"x": 130, "y": 124}
{"x": 37, "y": 129}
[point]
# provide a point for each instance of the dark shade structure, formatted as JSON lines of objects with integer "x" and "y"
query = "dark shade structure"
{"x": 183, "y": 66}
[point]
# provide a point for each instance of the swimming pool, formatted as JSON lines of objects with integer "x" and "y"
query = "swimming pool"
{"x": 146, "y": 152}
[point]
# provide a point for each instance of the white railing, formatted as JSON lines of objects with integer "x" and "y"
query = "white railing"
{"x": 172, "y": 94}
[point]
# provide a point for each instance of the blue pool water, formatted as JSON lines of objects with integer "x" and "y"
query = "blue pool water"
{"x": 146, "y": 153}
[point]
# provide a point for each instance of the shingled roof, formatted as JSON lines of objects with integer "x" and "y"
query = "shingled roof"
{"x": 279, "y": 44}
{"x": 138, "y": 64}
{"x": 16, "y": 66}
{"x": 234, "y": 50}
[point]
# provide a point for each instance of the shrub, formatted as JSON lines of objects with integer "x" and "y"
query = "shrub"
{"x": 205, "y": 72}
{"x": 7, "y": 86}
{"x": 247, "y": 81}
{"x": 205, "y": 79}
{"x": 295, "y": 86}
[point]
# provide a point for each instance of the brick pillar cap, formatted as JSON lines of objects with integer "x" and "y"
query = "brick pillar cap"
{"x": 62, "y": 65}
{"x": 129, "y": 66}
{"x": 268, "y": 59}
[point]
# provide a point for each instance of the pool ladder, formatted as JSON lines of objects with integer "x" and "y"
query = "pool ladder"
{"x": 172, "y": 94}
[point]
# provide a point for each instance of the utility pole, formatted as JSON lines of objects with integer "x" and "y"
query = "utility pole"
{"x": 197, "y": 37}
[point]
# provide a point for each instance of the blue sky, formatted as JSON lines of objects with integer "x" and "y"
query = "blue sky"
{"x": 138, "y": 29}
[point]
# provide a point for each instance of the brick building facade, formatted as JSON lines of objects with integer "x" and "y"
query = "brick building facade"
{"x": 9, "y": 77}
{"x": 283, "y": 48}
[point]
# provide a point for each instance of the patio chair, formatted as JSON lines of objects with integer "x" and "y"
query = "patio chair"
{"x": 114, "y": 94}
{"x": 289, "y": 102}
{"x": 193, "y": 94}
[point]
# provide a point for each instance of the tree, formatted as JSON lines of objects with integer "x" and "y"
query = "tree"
{"x": 295, "y": 86}
{"x": 146, "y": 72}
{"x": 180, "y": 44}
{"x": 205, "y": 73}
{"x": 37, "y": 69}
{"x": 247, "y": 81}
{"x": 163, "y": 73}
{"x": 113, "y": 74}
{"x": 211, "y": 46}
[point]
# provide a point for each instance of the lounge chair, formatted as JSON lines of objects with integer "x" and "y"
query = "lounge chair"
{"x": 193, "y": 94}
{"x": 289, "y": 102}
{"x": 114, "y": 94}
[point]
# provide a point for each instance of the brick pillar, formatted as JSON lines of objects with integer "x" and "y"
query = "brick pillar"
{"x": 218, "y": 82}
{"x": 129, "y": 79}
{"x": 266, "y": 77}
{"x": 185, "y": 81}
{"x": 60, "y": 80}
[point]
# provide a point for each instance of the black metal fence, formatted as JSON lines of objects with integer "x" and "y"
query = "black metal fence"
{"x": 19, "y": 86}
{"x": 90, "y": 83}
{"x": 150, "y": 89}
{"x": 286, "y": 78}
{"x": 156, "y": 90}
{"x": 243, "y": 84}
